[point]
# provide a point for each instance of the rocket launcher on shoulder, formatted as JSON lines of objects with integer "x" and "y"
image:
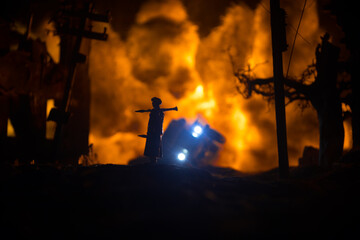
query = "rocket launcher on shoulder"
{"x": 162, "y": 109}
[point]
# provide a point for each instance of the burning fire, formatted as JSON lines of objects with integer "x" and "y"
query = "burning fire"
{"x": 164, "y": 56}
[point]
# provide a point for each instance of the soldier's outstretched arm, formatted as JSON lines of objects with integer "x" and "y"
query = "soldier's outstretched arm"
{"x": 142, "y": 111}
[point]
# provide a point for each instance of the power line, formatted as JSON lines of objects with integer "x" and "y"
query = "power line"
{"x": 261, "y": 4}
{"x": 291, "y": 27}
{"x": 308, "y": 42}
{"x": 296, "y": 33}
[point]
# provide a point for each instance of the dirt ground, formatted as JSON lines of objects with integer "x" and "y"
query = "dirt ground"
{"x": 177, "y": 202}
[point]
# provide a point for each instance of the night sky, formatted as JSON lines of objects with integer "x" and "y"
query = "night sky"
{"x": 206, "y": 14}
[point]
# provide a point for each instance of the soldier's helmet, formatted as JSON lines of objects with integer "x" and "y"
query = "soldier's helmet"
{"x": 156, "y": 101}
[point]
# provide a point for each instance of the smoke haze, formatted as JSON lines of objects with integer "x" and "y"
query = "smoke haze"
{"x": 164, "y": 55}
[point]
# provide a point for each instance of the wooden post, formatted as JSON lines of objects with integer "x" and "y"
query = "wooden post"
{"x": 278, "y": 38}
{"x": 72, "y": 57}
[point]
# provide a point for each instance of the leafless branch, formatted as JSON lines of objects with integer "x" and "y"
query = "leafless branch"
{"x": 295, "y": 89}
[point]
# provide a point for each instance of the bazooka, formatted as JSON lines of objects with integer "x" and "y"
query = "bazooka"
{"x": 153, "y": 146}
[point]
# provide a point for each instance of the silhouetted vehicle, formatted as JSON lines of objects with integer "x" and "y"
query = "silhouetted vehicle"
{"x": 196, "y": 144}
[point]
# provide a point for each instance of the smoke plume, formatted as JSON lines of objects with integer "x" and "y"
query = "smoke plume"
{"x": 163, "y": 55}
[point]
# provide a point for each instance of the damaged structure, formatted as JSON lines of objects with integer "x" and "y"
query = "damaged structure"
{"x": 31, "y": 83}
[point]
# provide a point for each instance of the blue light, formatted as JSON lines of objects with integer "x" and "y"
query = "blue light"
{"x": 195, "y": 135}
{"x": 197, "y": 131}
{"x": 182, "y": 155}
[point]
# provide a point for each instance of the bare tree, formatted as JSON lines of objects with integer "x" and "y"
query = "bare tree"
{"x": 319, "y": 87}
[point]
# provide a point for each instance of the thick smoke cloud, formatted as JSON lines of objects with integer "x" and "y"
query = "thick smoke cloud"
{"x": 203, "y": 13}
{"x": 179, "y": 51}
{"x": 126, "y": 74}
{"x": 164, "y": 55}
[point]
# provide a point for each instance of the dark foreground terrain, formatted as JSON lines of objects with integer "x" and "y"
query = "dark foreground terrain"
{"x": 127, "y": 202}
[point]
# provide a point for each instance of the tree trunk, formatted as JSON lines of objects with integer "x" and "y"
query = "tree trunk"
{"x": 331, "y": 134}
{"x": 346, "y": 13}
{"x": 328, "y": 104}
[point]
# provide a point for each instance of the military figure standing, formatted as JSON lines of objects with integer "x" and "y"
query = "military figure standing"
{"x": 153, "y": 146}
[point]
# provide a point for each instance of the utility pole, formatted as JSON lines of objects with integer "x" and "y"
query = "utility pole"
{"x": 278, "y": 37}
{"x": 72, "y": 27}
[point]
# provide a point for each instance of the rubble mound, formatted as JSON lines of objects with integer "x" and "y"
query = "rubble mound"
{"x": 168, "y": 201}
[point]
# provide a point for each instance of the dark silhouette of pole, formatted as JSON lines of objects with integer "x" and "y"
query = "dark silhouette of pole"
{"x": 86, "y": 12}
{"x": 65, "y": 103}
{"x": 278, "y": 37}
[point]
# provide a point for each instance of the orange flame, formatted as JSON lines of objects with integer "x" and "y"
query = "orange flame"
{"x": 164, "y": 56}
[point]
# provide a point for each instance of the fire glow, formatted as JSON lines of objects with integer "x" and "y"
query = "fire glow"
{"x": 164, "y": 56}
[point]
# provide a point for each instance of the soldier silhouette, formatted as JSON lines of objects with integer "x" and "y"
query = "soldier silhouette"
{"x": 153, "y": 146}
